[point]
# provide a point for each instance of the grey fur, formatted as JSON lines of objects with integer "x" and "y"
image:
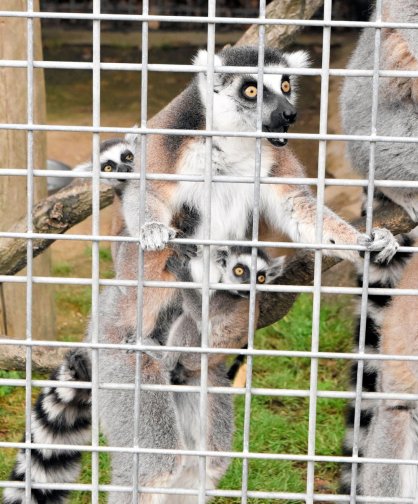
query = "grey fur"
{"x": 397, "y": 107}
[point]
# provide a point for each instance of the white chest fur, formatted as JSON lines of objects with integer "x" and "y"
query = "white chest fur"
{"x": 231, "y": 203}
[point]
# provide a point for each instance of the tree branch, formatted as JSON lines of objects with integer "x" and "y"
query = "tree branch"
{"x": 281, "y": 35}
{"x": 55, "y": 214}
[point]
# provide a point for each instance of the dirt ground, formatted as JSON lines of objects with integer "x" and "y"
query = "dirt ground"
{"x": 69, "y": 102}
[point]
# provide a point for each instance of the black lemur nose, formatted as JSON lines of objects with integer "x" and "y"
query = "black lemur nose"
{"x": 290, "y": 117}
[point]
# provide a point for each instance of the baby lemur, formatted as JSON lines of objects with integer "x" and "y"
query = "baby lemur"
{"x": 234, "y": 264}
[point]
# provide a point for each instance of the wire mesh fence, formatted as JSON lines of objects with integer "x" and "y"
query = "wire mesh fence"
{"x": 201, "y": 488}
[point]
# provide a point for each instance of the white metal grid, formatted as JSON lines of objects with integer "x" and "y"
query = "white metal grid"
{"x": 96, "y": 66}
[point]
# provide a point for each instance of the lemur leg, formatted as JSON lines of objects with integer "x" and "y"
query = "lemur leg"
{"x": 292, "y": 209}
{"x": 60, "y": 416}
{"x": 154, "y": 231}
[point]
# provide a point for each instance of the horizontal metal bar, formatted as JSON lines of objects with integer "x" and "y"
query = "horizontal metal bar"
{"x": 213, "y": 493}
{"x": 192, "y": 241}
{"x": 209, "y": 350}
{"x": 216, "y": 178}
{"x": 215, "y": 287}
{"x": 161, "y": 67}
{"x": 205, "y": 19}
{"x": 209, "y": 453}
{"x": 256, "y": 391}
{"x": 207, "y": 133}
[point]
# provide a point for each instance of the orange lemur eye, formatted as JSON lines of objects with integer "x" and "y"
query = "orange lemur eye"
{"x": 261, "y": 279}
{"x": 129, "y": 157}
{"x": 286, "y": 86}
{"x": 250, "y": 91}
{"x": 107, "y": 168}
{"x": 238, "y": 271}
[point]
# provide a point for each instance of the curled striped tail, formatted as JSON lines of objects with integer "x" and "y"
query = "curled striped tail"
{"x": 61, "y": 415}
{"x": 380, "y": 276}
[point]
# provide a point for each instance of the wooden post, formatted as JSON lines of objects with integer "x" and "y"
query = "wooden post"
{"x": 13, "y": 154}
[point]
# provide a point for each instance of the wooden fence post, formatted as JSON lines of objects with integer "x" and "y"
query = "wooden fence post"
{"x": 13, "y": 154}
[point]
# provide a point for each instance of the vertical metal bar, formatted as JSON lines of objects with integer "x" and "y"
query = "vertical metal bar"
{"x": 322, "y": 153}
{"x": 255, "y": 229}
{"x": 29, "y": 250}
{"x": 140, "y": 284}
{"x": 206, "y": 252}
{"x": 369, "y": 224}
{"x": 95, "y": 254}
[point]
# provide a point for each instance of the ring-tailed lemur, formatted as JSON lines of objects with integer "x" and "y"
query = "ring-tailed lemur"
{"x": 396, "y": 116}
{"x": 393, "y": 430}
{"x": 116, "y": 155}
{"x": 60, "y": 416}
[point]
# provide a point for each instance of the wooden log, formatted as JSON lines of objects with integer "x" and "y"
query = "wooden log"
{"x": 13, "y": 154}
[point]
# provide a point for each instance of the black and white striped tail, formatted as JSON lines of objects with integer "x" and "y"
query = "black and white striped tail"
{"x": 380, "y": 276}
{"x": 60, "y": 416}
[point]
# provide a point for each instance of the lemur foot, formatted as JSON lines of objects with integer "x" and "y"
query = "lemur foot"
{"x": 381, "y": 241}
{"x": 155, "y": 235}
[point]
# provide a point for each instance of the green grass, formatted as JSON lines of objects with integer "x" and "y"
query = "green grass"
{"x": 278, "y": 424}
{"x": 73, "y": 302}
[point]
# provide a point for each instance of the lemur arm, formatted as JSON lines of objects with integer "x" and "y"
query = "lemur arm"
{"x": 154, "y": 230}
{"x": 192, "y": 299}
{"x": 292, "y": 208}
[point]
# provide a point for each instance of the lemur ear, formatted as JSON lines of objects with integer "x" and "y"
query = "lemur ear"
{"x": 201, "y": 59}
{"x": 298, "y": 59}
{"x": 221, "y": 257}
{"x": 275, "y": 269}
{"x": 131, "y": 138}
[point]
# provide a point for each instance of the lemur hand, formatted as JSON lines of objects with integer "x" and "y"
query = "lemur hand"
{"x": 381, "y": 241}
{"x": 155, "y": 235}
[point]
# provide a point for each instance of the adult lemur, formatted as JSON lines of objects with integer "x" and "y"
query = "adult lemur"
{"x": 285, "y": 207}
{"x": 396, "y": 116}
{"x": 167, "y": 420}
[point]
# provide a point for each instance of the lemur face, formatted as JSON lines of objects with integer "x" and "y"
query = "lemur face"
{"x": 116, "y": 156}
{"x": 235, "y": 265}
{"x": 235, "y": 95}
